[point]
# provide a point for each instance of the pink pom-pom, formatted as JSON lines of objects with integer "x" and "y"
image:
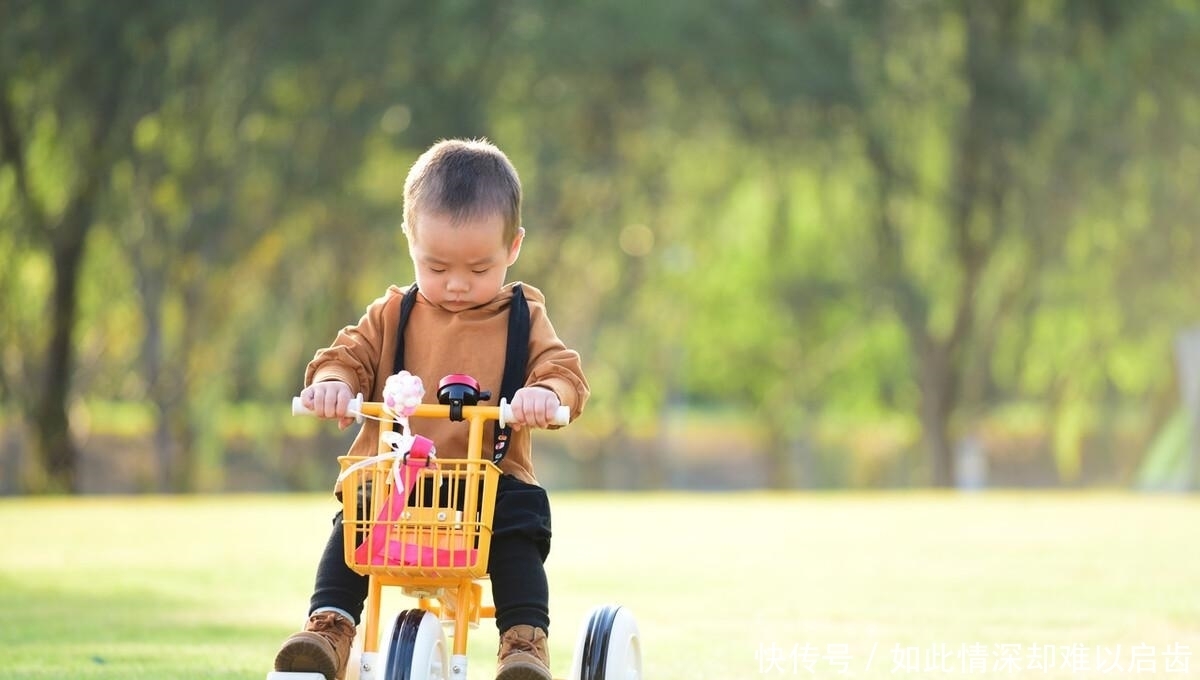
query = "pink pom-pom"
{"x": 402, "y": 393}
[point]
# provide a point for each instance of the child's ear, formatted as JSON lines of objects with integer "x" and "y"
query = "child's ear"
{"x": 514, "y": 251}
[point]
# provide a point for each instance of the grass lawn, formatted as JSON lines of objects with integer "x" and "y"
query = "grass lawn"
{"x": 727, "y": 587}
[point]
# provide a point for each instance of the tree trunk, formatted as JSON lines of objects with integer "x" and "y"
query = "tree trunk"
{"x": 779, "y": 464}
{"x": 52, "y": 433}
{"x": 935, "y": 432}
{"x": 938, "y": 402}
{"x": 183, "y": 436}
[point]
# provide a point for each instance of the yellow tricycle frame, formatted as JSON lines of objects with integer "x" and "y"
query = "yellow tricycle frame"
{"x": 449, "y": 511}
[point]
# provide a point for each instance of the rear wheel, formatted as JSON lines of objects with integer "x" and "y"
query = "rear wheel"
{"x": 609, "y": 647}
{"x": 415, "y": 648}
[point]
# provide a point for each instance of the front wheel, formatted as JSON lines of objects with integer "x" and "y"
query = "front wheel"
{"x": 415, "y": 648}
{"x": 609, "y": 647}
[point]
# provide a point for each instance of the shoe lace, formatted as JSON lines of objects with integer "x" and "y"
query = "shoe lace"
{"x": 520, "y": 645}
{"x": 327, "y": 622}
{"x": 514, "y": 644}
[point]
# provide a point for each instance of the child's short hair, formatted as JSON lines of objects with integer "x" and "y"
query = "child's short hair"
{"x": 465, "y": 179}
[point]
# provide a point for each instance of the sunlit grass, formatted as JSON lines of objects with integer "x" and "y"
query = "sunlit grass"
{"x": 723, "y": 586}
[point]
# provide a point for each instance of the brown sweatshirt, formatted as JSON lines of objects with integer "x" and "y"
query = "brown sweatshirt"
{"x": 438, "y": 343}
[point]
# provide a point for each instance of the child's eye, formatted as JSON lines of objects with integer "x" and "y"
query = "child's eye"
{"x": 436, "y": 270}
{"x": 480, "y": 271}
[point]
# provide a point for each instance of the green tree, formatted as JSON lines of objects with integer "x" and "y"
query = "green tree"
{"x": 70, "y": 91}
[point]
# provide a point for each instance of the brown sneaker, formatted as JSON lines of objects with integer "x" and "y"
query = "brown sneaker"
{"x": 322, "y": 647}
{"x": 523, "y": 655}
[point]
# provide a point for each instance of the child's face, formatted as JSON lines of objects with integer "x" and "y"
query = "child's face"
{"x": 460, "y": 265}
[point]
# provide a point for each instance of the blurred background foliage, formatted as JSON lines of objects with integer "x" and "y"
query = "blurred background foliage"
{"x": 814, "y": 243}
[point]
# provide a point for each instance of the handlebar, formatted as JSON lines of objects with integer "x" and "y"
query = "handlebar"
{"x": 502, "y": 413}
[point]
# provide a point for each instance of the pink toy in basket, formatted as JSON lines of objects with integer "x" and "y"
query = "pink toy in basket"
{"x": 402, "y": 535}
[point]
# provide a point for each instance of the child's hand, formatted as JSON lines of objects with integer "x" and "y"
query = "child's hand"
{"x": 534, "y": 406}
{"x": 329, "y": 399}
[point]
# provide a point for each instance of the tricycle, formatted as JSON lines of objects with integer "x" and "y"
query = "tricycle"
{"x": 422, "y": 523}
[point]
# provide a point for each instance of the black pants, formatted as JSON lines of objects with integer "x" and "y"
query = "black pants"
{"x": 520, "y": 544}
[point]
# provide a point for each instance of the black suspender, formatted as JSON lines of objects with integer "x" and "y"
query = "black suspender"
{"x": 516, "y": 360}
{"x": 516, "y": 354}
{"x": 406, "y": 307}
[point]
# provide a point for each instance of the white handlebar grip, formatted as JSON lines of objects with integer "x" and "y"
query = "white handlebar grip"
{"x": 298, "y": 408}
{"x": 561, "y": 417}
{"x": 505, "y": 412}
{"x": 352, "y": 409}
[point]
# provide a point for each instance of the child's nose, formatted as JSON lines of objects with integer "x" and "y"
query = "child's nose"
{"x": 456, "y": 284}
